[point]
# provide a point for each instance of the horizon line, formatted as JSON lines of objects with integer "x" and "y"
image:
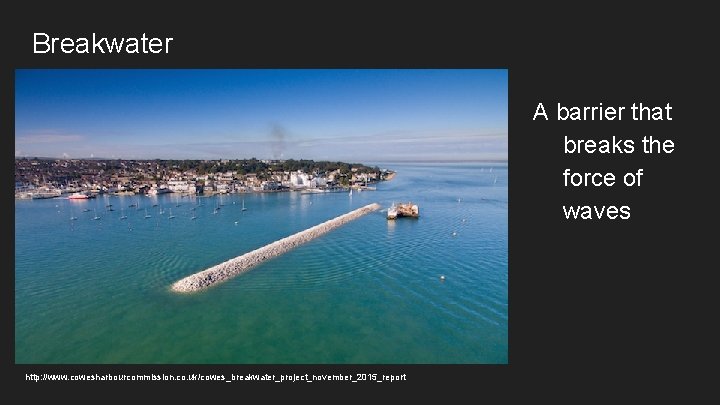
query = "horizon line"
{"x": 489, "y": 160}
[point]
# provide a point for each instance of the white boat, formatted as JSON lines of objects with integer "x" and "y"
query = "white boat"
{"x": 78, "y": 196}
{"x": 243, "y": 206}
{"x": 146, "y": 214}
{"x": 314, "y": 191}
{"x": 171, "y": 215}
{"x": 392, "y": 212}
{"x": 96, "y": 217}
{"x": 122, "y": 213}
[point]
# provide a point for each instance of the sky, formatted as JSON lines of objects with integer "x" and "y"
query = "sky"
{"x": 321, "y": 114}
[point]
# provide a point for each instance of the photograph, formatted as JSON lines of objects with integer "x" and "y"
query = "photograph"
{"x": 261, "y": 216}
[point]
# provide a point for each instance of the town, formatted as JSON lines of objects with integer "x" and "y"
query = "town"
{"x": 50, "y": 178}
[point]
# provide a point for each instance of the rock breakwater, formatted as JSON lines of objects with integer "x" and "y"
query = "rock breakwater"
{"x": 231, "y": 268}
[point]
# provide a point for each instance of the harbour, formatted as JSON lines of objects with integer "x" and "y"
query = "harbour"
{"x": 97, "y": 291}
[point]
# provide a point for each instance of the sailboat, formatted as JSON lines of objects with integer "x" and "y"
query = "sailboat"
{"x": 96, "y": 217}
{"x": 350, "y": 191}
{"x": 243, "y": 206}
{"x": 146, "y": 214}
{"x": 72, "y": 217}
{"x": 122, "y": 213}
{"x": 171, "y": 215}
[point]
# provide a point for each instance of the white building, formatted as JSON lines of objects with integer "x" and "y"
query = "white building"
{"x": 181, "y": 186}
{"x": 222, "y": 187}
{"x": 299, "y": 180}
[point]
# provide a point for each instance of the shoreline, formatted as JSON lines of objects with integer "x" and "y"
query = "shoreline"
{"x": 21, "y": 196}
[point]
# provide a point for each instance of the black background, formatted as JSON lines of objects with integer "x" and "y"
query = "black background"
{"x": 604, "y": 310}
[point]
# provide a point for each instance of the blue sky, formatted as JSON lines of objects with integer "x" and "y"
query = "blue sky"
{"x": 347, "y": 115}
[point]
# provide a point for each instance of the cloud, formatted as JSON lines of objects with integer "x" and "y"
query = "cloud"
{"x": 464, "y": 145}
{"x": 412, "y": 138}
{"x": 396, "y": 145}
{"x": 386, "y": 146}
{"x": 47, "y": 138}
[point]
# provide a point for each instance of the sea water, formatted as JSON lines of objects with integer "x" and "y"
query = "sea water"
{"x": 431, "y": 290}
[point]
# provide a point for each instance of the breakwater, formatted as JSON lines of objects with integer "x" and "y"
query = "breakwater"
{"x": 231, "y": 268}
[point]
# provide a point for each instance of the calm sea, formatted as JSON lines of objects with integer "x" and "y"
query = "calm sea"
{"x": 370, "y": 292}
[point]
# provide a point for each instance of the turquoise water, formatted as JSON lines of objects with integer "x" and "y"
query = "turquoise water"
{"x": 97, "y": 291}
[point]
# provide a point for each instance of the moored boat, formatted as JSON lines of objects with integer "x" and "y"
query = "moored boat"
{"x": 78, "y": 196}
